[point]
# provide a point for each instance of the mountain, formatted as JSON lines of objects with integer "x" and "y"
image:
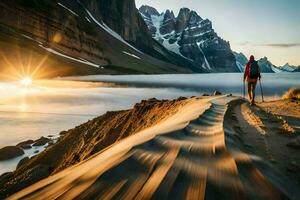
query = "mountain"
{"x": 81, "y": 37}
{"x": 289, "y": 68}
{"x": 241, "y": 60}
{"x": 265, "y": 65}
{"x": 191, "y": 37}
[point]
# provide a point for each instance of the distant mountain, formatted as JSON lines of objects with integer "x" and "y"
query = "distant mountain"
{"x": 191, "y": 37}
{"x": 265, "y": 65}
{"x": 241, "y": 60}
{"x": 289, "y": 68}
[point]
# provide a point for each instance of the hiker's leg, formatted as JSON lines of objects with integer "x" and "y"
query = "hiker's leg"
{"x": 253, "y": 91}
{"x": 249, "y": 90}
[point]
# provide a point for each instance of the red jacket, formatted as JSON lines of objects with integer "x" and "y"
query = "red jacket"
{"x": 247, "y": 70}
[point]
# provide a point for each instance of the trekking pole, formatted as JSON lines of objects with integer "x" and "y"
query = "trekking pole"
{"x": 261, "y": 91}
{"x": 244, "y": 89}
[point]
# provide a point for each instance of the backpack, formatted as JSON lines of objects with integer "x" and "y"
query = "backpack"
{"x": 254, "y": 70}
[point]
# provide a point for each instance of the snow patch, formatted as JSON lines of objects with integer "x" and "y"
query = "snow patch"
{"x": 206, "y": 66}
{"x": 157, "y": 21}
{"x": 132, "y": 55}
{"x": 68, "y": 9}
{"x": 240, "y": 66}
{"x": 109, "y": 30}
{"x": 30, "y": 38}
{"x": 87, "y": 19}
{"x": 69, "y": 57}
{"x": 172, "y": 47}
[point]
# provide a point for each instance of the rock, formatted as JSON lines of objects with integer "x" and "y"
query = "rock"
{"x": 63, "y": 133}
{"x": 216, "y": 93}
{"x": 41, "y": 142}
{"x": 4, "y": 177}
{"x": 26, "y": 144}
{"x": 36, "y": 151}
{"x": 22, "y": 162}
{"x": 152, "y": 100}
{"x": 182, "y": 98}
{"x": 205, "y": 95}
{"x": 10, "y": 152}
{"x": 50, "y": 136}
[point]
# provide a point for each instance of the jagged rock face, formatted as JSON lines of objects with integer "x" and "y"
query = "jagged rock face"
{"x": 169, "y": 23}
{"x": 191, "y": 37}
{"x": 62, "y": 32}
{"x": 148, "y": 11}
{"x": 265, "y": 65}
{"x": 124, "y": 18}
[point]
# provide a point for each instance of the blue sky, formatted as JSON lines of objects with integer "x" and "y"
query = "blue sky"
{"x": 261, "y": 27}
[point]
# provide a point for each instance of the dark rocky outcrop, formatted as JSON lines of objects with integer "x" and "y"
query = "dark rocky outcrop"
{"x": 169, "y": 23}
{"x": 191, "y": 37}
{"x": 26, "y": 144}
{"x": 10, "y": 152}
{"x": 41, "y": 142}
{"x": 22, "y": 162}
{"x": 216, "y": 93}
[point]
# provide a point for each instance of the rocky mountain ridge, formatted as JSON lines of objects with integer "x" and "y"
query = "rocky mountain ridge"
{"x": 191, "y": 37}
{"x": 265, "y": 65}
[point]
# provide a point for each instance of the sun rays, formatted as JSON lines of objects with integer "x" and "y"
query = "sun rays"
{"x": 23, "y": 67}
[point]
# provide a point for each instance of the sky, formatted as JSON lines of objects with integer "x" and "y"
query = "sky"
{"x": 268, "y": 28}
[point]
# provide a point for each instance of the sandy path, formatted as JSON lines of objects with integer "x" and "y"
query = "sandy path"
{"x": 194, "y": 154}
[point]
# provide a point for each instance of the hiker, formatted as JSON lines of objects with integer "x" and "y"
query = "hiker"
{"x": 252, "y": 74}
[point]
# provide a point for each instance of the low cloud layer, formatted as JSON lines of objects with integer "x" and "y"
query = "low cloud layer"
{"x": 281, "y": 45}
{"x": 278, "y": 45}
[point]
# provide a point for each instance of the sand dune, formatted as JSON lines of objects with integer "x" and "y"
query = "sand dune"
{"x": 197, "y": 153}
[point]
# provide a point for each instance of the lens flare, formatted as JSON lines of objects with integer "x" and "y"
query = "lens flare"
{"x": 26, "y": 81}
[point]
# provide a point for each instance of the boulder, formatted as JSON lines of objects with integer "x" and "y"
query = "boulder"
{"x": 4, "y": 177}
{"x": 26, "y": 144}
{"x": 216, "y": 93}
{"x": 10, "y": 152}
{"x": 41, "y": 142}
{"x": 182, "y": 98}
{"x": 22, "y": 162}
{"x": 63, "y": 132}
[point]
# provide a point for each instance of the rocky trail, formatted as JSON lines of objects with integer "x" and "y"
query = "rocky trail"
{"x": 223, "y": 150}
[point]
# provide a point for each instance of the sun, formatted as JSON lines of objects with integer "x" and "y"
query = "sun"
{"x": 26, "y": 81}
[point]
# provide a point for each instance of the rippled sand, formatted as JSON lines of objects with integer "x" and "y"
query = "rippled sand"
{"x": 198, "y": 153}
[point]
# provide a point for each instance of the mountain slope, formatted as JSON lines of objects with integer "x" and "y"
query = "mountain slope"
{"x": 191, "y": 37}
{"x": 68, "y": 37}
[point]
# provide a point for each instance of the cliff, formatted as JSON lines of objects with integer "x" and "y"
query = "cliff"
{"x": 78, "y": 38}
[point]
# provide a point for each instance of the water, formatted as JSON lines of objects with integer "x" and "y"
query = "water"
{"x": 50, "y": 106}
{"x": 274, "y": 85}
